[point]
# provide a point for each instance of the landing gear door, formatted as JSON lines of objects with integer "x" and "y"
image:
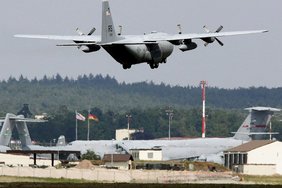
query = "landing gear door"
{"x": 155, "y": 51}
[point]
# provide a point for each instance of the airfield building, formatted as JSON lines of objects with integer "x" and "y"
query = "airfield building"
{"x": 258, "y": 157}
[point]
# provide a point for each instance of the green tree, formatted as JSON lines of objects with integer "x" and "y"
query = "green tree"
{"x": 90, "y": 155}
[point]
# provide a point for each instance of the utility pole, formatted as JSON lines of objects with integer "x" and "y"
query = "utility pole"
{"x": 88, "y": 125}
{"x": 203, "y": 86}
{"x": 75, "y": 125}
{"x": 169, "y": 113}
{"x": 128, "y": 116}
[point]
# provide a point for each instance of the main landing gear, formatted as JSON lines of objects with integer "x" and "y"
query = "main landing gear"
{"x": 156, "y": 65}
{"x": 126, "y": 66}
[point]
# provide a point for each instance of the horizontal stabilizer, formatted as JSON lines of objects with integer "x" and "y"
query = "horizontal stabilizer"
{"x": 255, "y": 133}
{"x": 77, "y": 44}
{"x": 261, "y": 108}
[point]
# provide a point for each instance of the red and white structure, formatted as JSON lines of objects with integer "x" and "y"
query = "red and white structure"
{"x": 203, "y": 86}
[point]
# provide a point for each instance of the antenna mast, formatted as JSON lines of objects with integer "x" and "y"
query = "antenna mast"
{"x": 203, "y": 86}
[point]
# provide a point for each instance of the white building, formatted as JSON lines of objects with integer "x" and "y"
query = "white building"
{"x": 258, "y": 157}
{"x": 154, "y": 154}
{"x": 119, "y": 161}
{"x": 124, "y": 134}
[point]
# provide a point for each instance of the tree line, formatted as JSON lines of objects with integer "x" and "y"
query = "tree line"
{"x": 153, "y": 123}
{"x": 105, "y": 92}
{"x": 110, "y": 101}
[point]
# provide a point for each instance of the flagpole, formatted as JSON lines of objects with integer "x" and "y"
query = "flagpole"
{"x": 88, "y": 125}
{"x": 75, "y": 125}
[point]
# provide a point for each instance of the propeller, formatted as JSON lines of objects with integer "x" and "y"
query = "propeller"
{"x": 212, "y": 39}
{"x": 179, "y": 29}
{"x": 92, "y": 31}
{"x": 79, "y": 32}
{"x": 120, "y": 29}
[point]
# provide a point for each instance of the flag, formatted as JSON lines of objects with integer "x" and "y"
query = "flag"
{"x": 80, "y": 117}
{"x": 92, "y": 117}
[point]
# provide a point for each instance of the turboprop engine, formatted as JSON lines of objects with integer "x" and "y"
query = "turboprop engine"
{"x": 90, "y": 48}
{"x": 187, "y": 46}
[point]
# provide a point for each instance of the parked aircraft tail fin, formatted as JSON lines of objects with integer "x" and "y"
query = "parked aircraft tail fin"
{"x": 108, "y": 29}
{"x": 255, "y": 126}
{"x": 61, "y": 141}
{"x": 6, "y": 131}
{"x": 12, "y": 121}
{"x": 23, "y": 132}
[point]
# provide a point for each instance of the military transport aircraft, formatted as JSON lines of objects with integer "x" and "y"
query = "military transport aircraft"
{"x": 153, "y": 48}
{"x": 254, "y": 127}
{"x": 10, "y": 122}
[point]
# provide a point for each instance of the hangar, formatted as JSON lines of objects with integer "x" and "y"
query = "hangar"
{"x": 257, "y": 157}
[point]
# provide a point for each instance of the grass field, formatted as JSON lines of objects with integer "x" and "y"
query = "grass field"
{"x": 24, "y": 182}
{"x": 262, "y": 179}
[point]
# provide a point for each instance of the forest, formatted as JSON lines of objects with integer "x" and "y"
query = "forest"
{"x": 110, "y": 101}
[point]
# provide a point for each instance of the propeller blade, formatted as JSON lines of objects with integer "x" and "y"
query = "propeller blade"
{"x": 206, "y": 29}
{"x": 79, "y": 32}
{"x": 92, "y": 31}
{"x": 219, "y": 29}
{"x": 219, "y": 42}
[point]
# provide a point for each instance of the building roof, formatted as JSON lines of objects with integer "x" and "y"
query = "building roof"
{"x": 250, "y": 146}
{"x": 117, "y": 157}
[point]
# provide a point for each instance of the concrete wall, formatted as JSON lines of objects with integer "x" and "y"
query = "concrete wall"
{"x": 111, "y": 175}
{"x": 265, "y": 160}
{"x": 119, "y": 165}
{"x": 151, "y": 155}
{"x": 268, "y": 154}
{"x": 261, "y": 170}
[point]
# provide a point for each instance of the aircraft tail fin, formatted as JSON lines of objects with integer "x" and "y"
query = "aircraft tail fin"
{"x": 6, "y": 131}
{"x": 108, "y": 29}
{"x": 255, "y": 126}
{"x": 23, "y": 133}
{"x": 61, "y": 141}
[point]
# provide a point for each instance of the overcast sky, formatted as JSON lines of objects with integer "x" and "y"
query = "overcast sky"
{"x": 244, "y": 61}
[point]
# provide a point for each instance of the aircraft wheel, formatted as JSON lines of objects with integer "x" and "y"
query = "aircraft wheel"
{"x": 152, "y": 66}
{"x": 126, "y": 66}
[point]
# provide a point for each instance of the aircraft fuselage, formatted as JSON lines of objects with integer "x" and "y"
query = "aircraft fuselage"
{"x": 153, "y": 54}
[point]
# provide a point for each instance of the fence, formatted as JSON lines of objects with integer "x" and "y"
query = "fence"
{"x": 112, "y": 175}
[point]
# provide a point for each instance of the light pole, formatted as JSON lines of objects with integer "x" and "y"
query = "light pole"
{"x": 112, "y": 155}
{"x": 128, "y": 116}
{"x": 169, "y": 113}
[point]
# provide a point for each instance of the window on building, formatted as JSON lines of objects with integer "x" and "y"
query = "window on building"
{"x": 235, "y": 158}
{"x": 150, "y": 155}
{"x": 240, "y": 158}
{"x": 245, "y": 158}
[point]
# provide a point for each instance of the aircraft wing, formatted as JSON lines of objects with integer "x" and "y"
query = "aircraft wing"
{"x": 208, "y": 35}
{"x": 81, "y": 38}
{"x": 201, "y": 35}
{"x": 29, "y": 120}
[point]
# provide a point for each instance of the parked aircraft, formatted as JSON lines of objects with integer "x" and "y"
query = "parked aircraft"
{"x": 253, "y": 128}
{"x": 153, "y": 48}
{"x": 10, "y": 122}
